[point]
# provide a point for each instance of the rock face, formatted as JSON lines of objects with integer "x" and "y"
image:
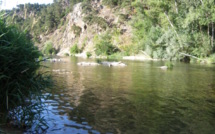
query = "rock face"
{"x": 65, "y": 37}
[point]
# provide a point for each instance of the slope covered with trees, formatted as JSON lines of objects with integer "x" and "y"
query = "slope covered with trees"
{"x": 164, "y": 29}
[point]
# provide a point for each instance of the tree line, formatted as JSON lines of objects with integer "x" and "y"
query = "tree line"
{"x": 165, "y": 29}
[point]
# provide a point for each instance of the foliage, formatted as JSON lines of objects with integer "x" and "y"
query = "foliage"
{"x": 21, "y": 85}
{"x": 104, "y": 46}
{"x": 90, "y": 20}
{"x": 77, "y": 30}
{"x": 169, "y": 64}
{"x": 121, "y": 3}
{"x": 88, "y": 9}
{"x": 74, "y": 49}
{"x": 165, "y": 28}
{"x": 161, "y": 28}
{"x": 118, "y": 55}
{"x": 66, "y": 54}
{"x": 211, "y": 59}
{"x": 48, "y": 49}
{"x": 40, "y": 58}
{"x": 88, "y": 54}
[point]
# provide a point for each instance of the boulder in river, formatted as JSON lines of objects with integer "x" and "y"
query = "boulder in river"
{"x": 163, "y": 67}
{"x": 87, "y": 64}
{"x": 106, "y": 63}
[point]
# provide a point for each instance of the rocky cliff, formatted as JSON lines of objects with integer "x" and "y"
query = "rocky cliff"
{"x": 76, "y": 31}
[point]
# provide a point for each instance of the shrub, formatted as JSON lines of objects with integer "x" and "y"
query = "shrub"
{"x": 66, "y": 54}
{"x": 90, "y": 20}
{"x": 104, "y": 46}
{"x": 19, "y": 77}
{"x": 48, "y": 49}
{"x": 169, "y": 65}
{"x": 211, "y": 59}
{"x": 77, "y": 30}
{"x": 74, "y": 49}
{"x": 40, "y": 58}
{"x": 118, "y": 55}
{"x": 88, "y": 54}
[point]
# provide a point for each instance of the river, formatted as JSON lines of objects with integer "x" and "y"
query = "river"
{"x": 137, "y": 99}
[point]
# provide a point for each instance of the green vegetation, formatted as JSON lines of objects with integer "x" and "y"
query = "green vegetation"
{"x": 162, "y": 29}
{"x": 211, "y": 59}
{"x": 74, "y": 49}
{"x": 40, "y": 58}
{"x": 21, "y": 85}
{"x": 77, "y": 30}
{"x": 66, "y": 54}
{"x": 165, "y": 29}
{"x": 48, "y": 49}
{"x": 121, "y": 3}
{"x": 169, "y": 64}
{"x": 90, "y": 20}
{"x": 104, "y": 45}
{"x": 88, "y": 54}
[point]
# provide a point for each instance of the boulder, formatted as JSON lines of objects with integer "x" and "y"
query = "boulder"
{"x": 87, "y": 64}
{"x": 113, "y": 64}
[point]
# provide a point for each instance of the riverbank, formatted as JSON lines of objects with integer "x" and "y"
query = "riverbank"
{"x": 143, "y": 56}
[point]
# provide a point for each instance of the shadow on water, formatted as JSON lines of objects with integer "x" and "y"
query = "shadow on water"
{"x": 138, "y": 98}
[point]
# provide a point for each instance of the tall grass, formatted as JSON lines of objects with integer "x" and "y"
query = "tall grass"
{"x": 21, "y": 85}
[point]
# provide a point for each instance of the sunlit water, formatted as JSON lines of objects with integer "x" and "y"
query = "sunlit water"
{"x": 137, "y": 99}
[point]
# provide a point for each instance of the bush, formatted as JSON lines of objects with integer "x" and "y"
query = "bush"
{"x": 169, "y": 65}
{"x": 118, "y": 55}
{"x": 91, "y": 19}
{"x": 74, "y": 49}
{"x": 48, "y": 49}
{"x": 89, "y": 54}
{"x": 66, "y": 54}
{"x": 77, "y": 30}
{"x": 40, "y": 58}
{"x": 211, "y": 59}
{"x": 104, "y": 46}
{"x": 19, "y": 77}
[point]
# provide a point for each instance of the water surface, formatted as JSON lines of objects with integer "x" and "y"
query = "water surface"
{"x": 139, "y": 98}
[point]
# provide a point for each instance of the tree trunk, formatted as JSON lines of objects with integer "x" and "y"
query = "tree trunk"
{"x": 14, "y": 14}
{"x": 176, "y": 6}
{"x": 25, "y": 9}
{"x": 212, "y": 37}
{"x": 202, "y": 2}
{"x": 173, "y": 28}
{"x": 208, "y": 30}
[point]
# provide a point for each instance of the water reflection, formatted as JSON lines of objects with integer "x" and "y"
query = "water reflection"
{"x": 139, "y": 98}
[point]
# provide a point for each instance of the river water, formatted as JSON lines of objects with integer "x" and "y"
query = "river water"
{"x": 137, "y": 99}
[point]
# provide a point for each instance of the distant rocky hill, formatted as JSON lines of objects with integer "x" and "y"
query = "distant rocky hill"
{"x": 67, "y": 35}
{"x": 80, "y": 26}
{"x": 173, "y": 30}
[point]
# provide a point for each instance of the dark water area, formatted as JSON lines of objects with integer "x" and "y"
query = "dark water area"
{"x": 137, "y": 99}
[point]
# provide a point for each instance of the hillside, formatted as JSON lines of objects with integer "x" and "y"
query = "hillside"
{"x": 174, "y": 30}
{"x": 78, "y": 30}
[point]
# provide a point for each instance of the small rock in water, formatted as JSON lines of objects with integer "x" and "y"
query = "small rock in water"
{"x": 84, "y": 123}
{"x": 87, "y": 64}
{"x": 163, "y": 67}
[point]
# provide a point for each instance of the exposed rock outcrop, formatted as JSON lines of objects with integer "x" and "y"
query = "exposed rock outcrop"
{"x": 64, "y": 37}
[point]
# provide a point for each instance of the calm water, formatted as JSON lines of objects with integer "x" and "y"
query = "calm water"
{"x": 137, "y": 99}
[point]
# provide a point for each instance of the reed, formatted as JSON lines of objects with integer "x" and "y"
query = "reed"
{"x": 21, "y": 84}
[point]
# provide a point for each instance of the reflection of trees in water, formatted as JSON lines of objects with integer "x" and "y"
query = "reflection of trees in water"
{"x": 106, "y": 114}
{"x": 137, "y": 100}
